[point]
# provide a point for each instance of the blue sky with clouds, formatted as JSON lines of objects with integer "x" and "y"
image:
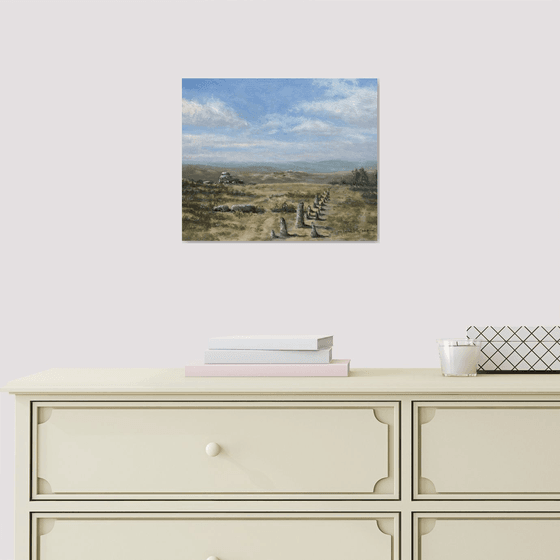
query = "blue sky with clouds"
{"x": 276, "y": 120}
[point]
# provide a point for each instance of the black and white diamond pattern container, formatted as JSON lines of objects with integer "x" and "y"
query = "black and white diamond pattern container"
{"x": 518, "y": 349}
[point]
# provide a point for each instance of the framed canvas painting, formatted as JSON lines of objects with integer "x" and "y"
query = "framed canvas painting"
{"x": 279, "y": 159}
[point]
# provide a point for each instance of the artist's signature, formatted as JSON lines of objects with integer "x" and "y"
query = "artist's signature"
{"x": 356, "y": 231}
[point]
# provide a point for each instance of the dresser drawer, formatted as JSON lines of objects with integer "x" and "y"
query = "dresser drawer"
{"x": 224, "y": 536}
{"x": 495, "y": 536}
{"x": 487, "y": 450}
{"x": 220, "y": 450}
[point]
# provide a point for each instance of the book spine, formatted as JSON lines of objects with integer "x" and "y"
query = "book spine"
{"x": 337, "y": 368}
{"x": 323, "y": 356}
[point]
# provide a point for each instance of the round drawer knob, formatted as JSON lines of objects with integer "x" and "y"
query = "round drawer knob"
{"x": 212, "y": 558}
{"x": 212, "y": 449}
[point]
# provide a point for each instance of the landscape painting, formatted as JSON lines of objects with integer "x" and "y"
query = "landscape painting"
{"x": 279, "y": 160}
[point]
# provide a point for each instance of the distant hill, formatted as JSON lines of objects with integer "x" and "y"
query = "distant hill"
{"x": 327, "y": 166}
{"x": 252, "y": 175}
{"x": 330, "y": 166}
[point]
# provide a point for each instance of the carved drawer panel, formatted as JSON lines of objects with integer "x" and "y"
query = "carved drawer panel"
{"x": 495, "y": 536}
{"x": 225, "y": 536}
{"x": 219, "y": 450}
{"x": 486, "y": 450}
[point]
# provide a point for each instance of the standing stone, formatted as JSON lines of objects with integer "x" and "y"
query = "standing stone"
{"x": 316, "y": 201}
{"x": 283, "y": 228}
{"x": 314, "y": 231}
{"x": 299, "y": 217}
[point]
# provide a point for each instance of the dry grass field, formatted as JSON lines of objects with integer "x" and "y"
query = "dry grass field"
{"x": 348, "y": 215}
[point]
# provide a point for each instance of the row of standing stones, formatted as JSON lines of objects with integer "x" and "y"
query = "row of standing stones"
{"x": 312, "y": 213}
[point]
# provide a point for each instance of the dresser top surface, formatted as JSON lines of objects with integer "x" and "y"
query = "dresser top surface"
{"x": 373, "y": 381}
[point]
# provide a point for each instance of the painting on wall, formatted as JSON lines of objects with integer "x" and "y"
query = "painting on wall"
{"x": 279, "y": 160}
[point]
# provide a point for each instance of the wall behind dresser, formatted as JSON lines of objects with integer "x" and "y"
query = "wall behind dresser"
{"x": 94, "y": 271}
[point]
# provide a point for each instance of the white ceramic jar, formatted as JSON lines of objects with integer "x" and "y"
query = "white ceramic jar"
{"x": 459, "y": 356}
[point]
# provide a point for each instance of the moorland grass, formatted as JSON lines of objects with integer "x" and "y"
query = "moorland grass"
{"x": 349, "y": 215}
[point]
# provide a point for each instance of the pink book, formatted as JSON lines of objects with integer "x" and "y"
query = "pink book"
{"x": 337, "y": 368}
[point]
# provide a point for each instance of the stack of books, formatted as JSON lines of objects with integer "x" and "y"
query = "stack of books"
{"x": 269, "y": 356}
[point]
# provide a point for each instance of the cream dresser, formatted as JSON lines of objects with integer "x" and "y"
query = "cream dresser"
{"x": 145, "y": 464}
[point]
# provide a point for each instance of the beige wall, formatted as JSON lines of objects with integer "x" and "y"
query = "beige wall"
{"x": 94, "y": 272}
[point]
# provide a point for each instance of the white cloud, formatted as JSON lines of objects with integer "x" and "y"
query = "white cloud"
{"x": 276, "y": 122}
{"x": 214, "y": 147}
{"x": 288, "y": 123}
{"x": 346, "y": 101}
{"x": 315, "y": 127}
{"x": 336, "y": 86}
{"x": 212, "y": 113}
{"x": 214, "y": 141}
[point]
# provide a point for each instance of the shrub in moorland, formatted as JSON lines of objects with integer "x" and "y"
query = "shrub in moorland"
{"x": 290, "y": 208}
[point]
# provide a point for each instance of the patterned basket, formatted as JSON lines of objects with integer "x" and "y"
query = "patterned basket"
{"x": 519, "y": 349}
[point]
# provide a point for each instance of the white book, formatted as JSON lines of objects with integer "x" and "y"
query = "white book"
{"x": 323, "y": 356}
{"x": 337, "y": 368}
{"x": 271, "y": 342}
